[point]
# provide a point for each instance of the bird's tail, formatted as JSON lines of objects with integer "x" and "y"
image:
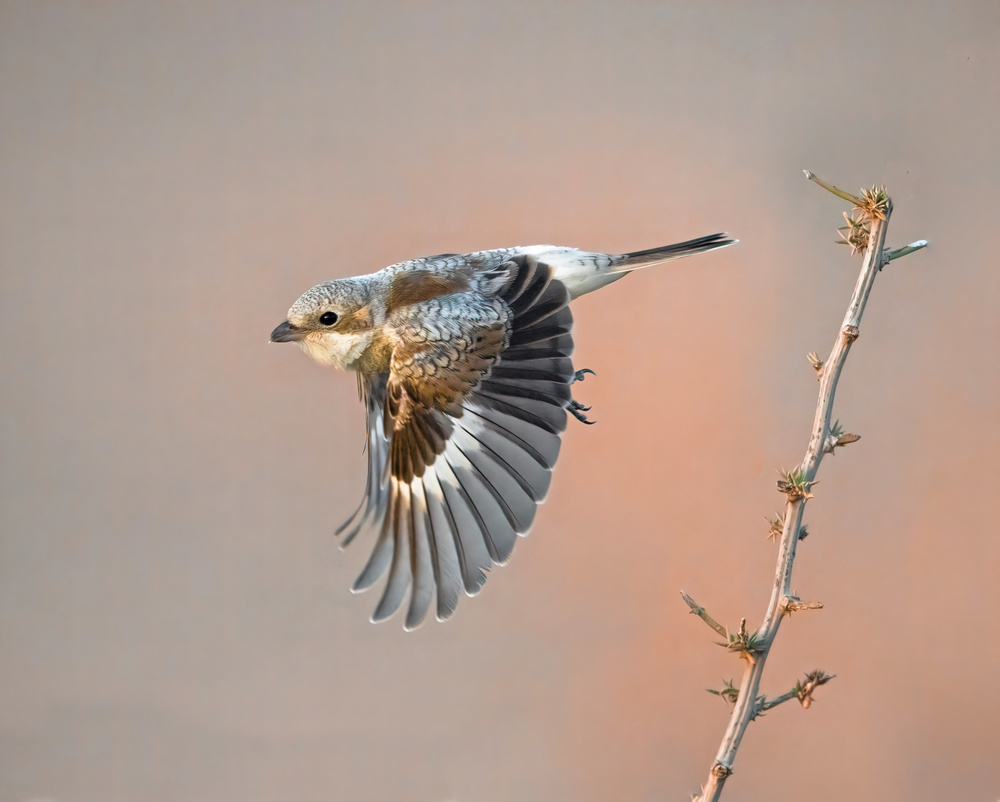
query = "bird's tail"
{"x": 655, "y": 256}
{"x": 583, "y": 272}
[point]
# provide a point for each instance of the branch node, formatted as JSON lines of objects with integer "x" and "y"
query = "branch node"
{"x": 850, "y": 333}
{"x": 837, "y": 437}
{"x": 804, "y": 691}
{"x": 721, "y": 772}
{"x": 794, "y": 484}
{"x": 791, "y": 604}
{"x": 776, "y": 526}
{"x": 748, "y": 645}
{"x": 857, "y": 233}
{"x": 729, "y": 692}
{"x": 874, "y": 204}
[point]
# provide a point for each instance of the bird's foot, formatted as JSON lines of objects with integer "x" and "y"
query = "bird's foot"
{"x": 576, "y": 409}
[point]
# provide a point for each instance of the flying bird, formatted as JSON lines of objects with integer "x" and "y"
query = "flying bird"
{"x": 464, "y": 366}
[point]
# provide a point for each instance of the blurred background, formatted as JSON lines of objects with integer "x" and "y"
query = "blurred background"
{"x": 175, "y": 621}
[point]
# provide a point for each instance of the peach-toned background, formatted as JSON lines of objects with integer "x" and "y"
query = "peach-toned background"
{"x": 175, "y": 623}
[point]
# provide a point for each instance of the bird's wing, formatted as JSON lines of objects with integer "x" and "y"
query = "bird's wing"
{"x": 463, "y": 435}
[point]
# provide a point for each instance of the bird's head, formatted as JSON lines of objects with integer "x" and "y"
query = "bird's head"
{"x": 333, "y": 322}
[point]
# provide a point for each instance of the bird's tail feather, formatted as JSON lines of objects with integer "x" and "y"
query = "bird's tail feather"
{"x": 585, "y": 272}
{"x": 654, "y": 256}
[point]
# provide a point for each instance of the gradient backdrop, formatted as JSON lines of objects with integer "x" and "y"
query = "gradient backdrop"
{"x": 175, "y": 621}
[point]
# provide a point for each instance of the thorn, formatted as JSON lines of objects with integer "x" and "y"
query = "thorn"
{"x": 858, "y": 233}
{"x": 874, "y": 204}
{"x": 816, "y": 361}
{"x": 776, "y": 527}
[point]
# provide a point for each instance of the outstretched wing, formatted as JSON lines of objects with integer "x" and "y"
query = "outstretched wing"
{"x": 463, "y": 435}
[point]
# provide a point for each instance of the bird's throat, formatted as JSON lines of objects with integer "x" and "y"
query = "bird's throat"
{"x": 339, "y": 350}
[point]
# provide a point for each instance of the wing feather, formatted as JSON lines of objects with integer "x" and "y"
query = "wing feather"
{"x": 399, "y": 570}
{"x": 373, "y": 505}
{"x": 421, "y": 557}
{"x": 444, "y": 552}
{"x": 530, "y": 409}
{"x": 463, "y": 435}
{"x": 380, "y": 558}
{"x": 498, "y": 478}
{"x": 474, "y": 558}
{"x": 496, "y": 531}
{"x": 526, "y": 458}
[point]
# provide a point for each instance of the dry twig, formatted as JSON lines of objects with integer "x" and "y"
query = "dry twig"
{"x": 866, "y": 233}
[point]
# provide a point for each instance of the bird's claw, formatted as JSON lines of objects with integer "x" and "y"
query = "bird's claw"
{"x": 576, "y": 409}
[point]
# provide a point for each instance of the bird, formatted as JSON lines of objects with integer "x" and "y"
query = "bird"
{"x": 464, "y": 365}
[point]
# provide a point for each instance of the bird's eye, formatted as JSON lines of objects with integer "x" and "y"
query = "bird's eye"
{"x": 328, "y": 318}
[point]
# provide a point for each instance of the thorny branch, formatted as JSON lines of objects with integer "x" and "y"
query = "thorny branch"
{"x": 865, "y": 233}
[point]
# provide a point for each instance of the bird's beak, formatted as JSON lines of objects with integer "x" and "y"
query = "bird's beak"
{"x": 287, "y": 333}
